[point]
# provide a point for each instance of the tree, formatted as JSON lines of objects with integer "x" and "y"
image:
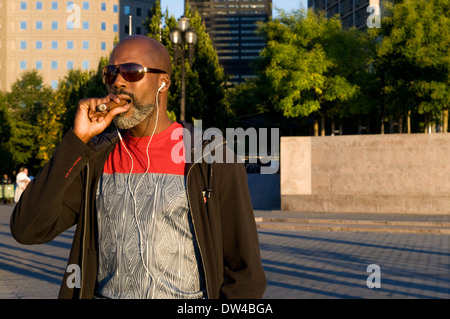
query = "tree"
{"x": 51, "y": 124}
{"x": 310, "y": 64}
{"x": 205, "y": 80}
{"x": 5, "y": 135}
{"x": 415, "y": 59}
{"x": 77, "y": 85}
{"x": 28, "y": 102}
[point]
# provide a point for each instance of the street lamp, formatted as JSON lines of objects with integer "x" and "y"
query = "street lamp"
{"x": 180, "y": 37}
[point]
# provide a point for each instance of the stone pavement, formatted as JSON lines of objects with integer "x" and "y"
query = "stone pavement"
{"x": 299, "y": 264}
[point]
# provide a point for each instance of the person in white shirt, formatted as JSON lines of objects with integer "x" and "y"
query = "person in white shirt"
{"x": 22, "y": 181}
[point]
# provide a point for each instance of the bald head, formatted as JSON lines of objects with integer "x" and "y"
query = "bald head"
{"x": 150, "y": 50}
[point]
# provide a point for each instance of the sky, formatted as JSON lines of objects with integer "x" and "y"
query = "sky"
{"x": 176, "y": 7}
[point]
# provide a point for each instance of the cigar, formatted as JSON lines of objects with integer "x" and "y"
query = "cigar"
{"x": 109, "y": 105}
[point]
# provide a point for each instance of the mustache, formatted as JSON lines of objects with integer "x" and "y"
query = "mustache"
{"x": 123, "y": 92}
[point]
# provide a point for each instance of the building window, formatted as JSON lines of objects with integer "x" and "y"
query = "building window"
{"x": 54, "y": 45}
{"x": 54, "y": 5}
{"x": 138, "y": 30}
{"x": 69, "y": 45}
{"x": 85, "y": 5}
{"x": 103, "y": 6}
{"x": 23, "y": 65}
{"x": 85, "y": 45}
{"x": 54, "y": 65}
{"x": 23, "y": 5}
{"x": 115, "y": 8}
{"x": 103, "y": 46}
{"x": 103, "y": 26}
{"x": 115, "y": 28}
{"x": 69, "y": 65}
{"x": 138, "y": 12}
{"x": 85, "y": 65}
{"x": 54, "y": 25}
{"x": 23, "y": 25}
{"x": 126, "y": 29}
{"x": 39, "y": 5}
{"x": 54, "y": 84}
{"x": 38, "y": 65}
{"x": 38, "y": 25}
{"x": 126, "y": 10}
{"x": 85, "y": 25}
{"x": 38, "y": 45}
{"x": 23, "y": 45}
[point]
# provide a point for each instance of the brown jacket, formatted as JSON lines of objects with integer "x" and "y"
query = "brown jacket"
{"x": 63, "y": 195}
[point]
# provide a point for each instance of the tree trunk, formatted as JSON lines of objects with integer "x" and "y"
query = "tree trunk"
{"x": 408, "y": 121}
{"x": 322, "y": 129}
{"x": 316, "y": 127}
{"x": 445, "y": 121}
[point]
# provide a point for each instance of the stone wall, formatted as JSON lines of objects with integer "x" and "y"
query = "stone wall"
{"x": 366, "y": 173}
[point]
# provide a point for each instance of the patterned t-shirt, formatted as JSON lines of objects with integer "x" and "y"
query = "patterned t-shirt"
{"x": 147, "y": 247}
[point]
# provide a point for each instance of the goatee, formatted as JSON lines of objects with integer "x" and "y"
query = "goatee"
{"x": 140, "y": 113}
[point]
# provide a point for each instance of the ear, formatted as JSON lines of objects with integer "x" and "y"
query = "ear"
{"x": 165, "y": 78}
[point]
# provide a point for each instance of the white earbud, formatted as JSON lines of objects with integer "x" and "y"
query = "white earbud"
{"x": 162, "y": 85}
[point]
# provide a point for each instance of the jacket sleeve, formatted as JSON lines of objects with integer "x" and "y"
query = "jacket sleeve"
{"x": 244, "y": 276}
{"x": 52, "y": 201}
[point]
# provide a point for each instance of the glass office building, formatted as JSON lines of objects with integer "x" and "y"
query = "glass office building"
{"x": 231, "y": 25}
{"x": 353, "y": 13}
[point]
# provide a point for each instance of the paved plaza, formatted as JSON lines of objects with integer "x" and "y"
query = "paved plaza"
{"x": 299, "y": 264}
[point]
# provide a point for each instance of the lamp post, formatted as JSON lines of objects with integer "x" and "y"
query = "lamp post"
{"x": 180, "y": 37}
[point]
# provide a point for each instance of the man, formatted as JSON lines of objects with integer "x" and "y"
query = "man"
{"x": 147, "y": 226}
{"x": 22, "y": 181}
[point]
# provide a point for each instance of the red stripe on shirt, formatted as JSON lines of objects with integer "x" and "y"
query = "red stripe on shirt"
{"x": 159, "y": 151}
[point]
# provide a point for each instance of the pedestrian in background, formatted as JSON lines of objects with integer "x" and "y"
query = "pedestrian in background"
{"x": 22, "y": 181}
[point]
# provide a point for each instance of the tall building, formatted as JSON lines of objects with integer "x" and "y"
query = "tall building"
{"x": 56, "y": 36}
{"x": 231, "y": 25}
{"x": 351, "y": 12}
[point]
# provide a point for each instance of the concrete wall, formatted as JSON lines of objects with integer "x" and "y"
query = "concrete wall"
{"x": 366, "y": 173}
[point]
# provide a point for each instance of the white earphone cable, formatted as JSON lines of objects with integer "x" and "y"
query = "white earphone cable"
{"x": 137, "y": 185}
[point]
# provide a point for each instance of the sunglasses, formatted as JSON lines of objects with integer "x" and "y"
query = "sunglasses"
{"x": 130, "y": 72}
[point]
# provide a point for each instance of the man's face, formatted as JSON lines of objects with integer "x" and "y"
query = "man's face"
{"x": 141, "y": 94}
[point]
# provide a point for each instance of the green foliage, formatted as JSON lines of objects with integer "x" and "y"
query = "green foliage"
{"x": 6, "y": 160}
{"x": 77, "y": 85}
{"x": 205, "y": 80}
{"x": 310, "y": 64}
{"x": 29, "y": 103}
{"x": 414, "y": 55}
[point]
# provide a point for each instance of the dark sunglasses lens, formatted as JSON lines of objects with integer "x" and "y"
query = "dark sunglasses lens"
{"x": 109, "y": 74}
{"x": 132, "y": 72}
